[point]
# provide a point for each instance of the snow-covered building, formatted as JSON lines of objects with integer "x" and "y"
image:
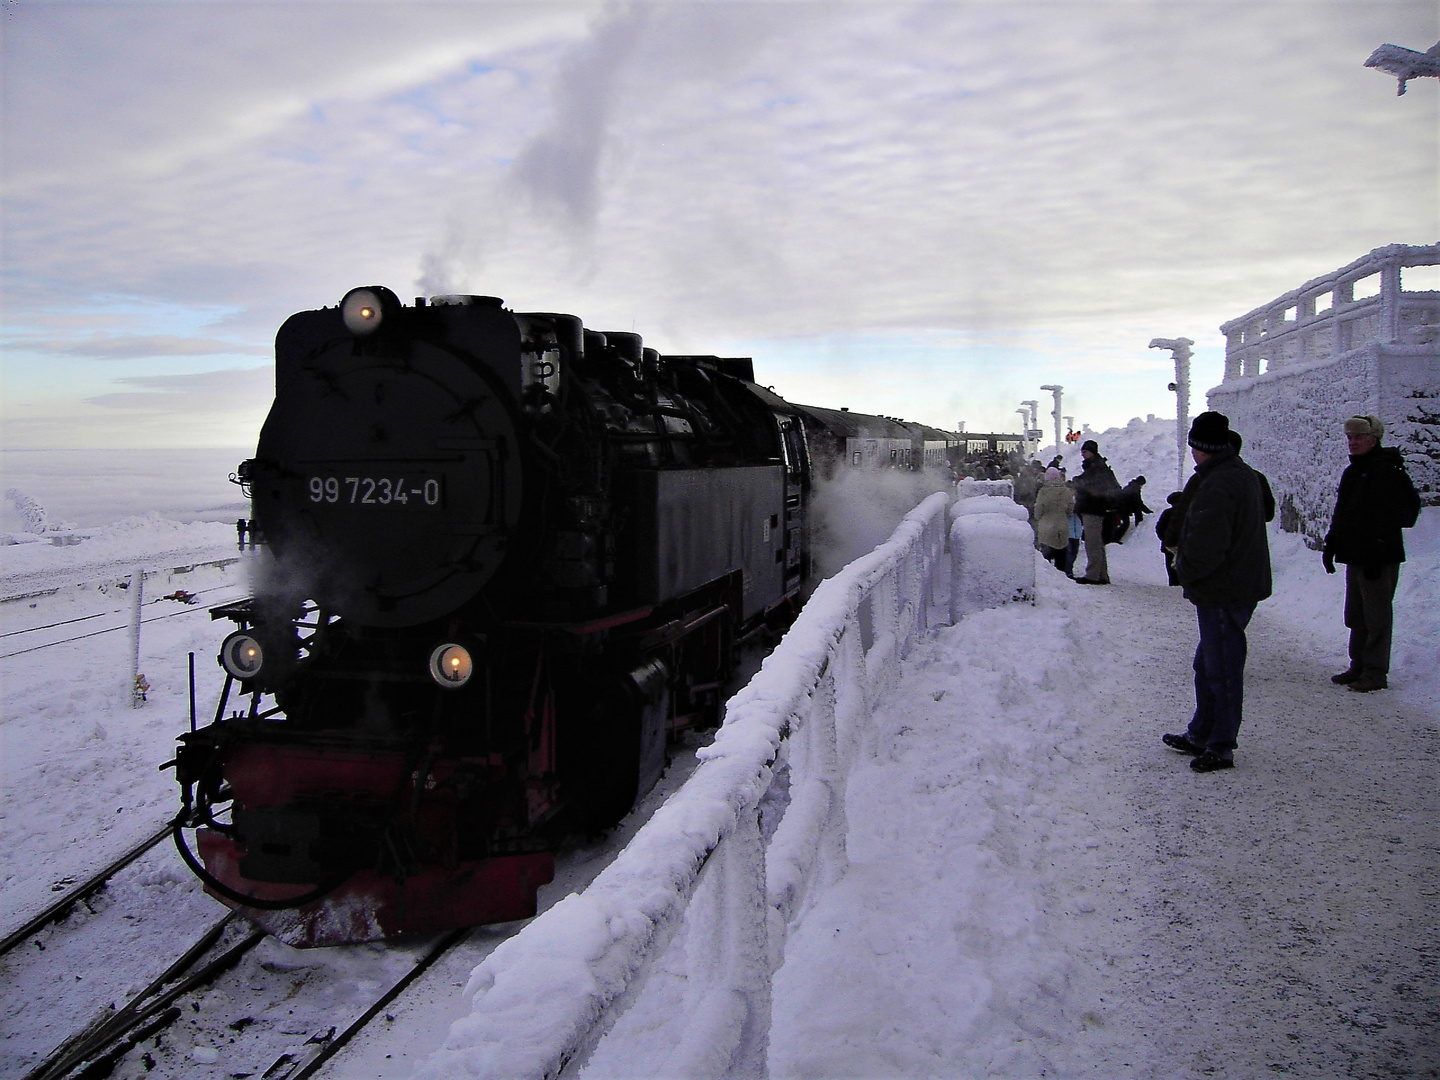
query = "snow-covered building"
{"x": 1361, "y": 339}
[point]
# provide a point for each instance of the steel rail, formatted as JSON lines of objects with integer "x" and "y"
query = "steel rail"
{"x": 108, "y": 1026}
{"x": 97, "y": 633}
{"x": 103, "y": 614}
{"x": 331, "y": 1047}
{"x": 98, "y": 1054}
{"x": 60, "y": 908}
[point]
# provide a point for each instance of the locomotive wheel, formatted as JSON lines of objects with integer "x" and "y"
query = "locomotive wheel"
{"x": 600, "y": 752}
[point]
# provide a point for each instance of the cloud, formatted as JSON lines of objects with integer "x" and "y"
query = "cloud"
{"x": 229, "y": 390}
{"x": 102, "y": 345}
{"x": 1078, "y": 177}
{"x": 559, "y": 167}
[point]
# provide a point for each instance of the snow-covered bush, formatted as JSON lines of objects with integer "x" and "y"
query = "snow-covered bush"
{"x": 32, "y": 514}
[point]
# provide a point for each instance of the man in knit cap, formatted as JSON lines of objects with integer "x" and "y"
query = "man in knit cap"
{"x": 1096, "y": 494}
{"x": 1376, "y": 500}
{"x": 1222, "y": 559}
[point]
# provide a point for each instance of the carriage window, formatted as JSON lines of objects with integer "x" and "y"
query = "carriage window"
{"x": 795, "y": 449}
{"x": 792, "y": 445}
{"x": 856, "y": 459}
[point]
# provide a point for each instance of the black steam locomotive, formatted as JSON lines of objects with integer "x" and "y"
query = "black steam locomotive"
{"x": 502, "y": 558}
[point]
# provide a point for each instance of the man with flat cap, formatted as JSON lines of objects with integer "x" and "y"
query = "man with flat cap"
{"x": 1222, "y": 558}
{"x": 1376, "y": 500}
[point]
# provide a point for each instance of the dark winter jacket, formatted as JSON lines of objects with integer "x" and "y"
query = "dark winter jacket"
{"x": 1223, "y": 557}
{"x": 1267, "y": 495}
{"x": 1173, "y": 521}
{"x": 1376, "y": 500}
{"x": 1096, "y": 489}
{"x": 1132, "y": 499}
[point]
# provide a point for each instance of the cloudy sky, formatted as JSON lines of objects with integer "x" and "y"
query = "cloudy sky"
{"x": 920, "y": 209}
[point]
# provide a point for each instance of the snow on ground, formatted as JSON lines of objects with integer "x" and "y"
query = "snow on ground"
{"x": 78, "y": 766}
{"x": 1040, "y": 888}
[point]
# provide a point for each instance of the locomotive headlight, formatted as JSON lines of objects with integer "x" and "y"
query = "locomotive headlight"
{"x": 451, "y": 665}
{"x": 241, "y": 655}
{"x": 361, "y": 309}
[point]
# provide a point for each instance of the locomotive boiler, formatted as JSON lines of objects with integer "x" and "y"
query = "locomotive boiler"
{"x": 502, "y": 558}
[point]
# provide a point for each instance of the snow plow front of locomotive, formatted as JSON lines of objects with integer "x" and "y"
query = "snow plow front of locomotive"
{"x": 387, "y": 490}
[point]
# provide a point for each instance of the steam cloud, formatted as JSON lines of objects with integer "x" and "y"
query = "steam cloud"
{"x": 859, "y": 509}
{"x": 560, "y": 167}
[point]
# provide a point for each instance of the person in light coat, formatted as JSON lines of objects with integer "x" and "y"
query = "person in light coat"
{"x": 1054, "y": 503}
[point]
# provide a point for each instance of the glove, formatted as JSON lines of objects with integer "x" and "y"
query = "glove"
{"x": 1328, "y": 558}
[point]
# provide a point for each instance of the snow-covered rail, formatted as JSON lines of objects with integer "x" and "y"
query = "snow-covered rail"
{"x": 714, "y": 857}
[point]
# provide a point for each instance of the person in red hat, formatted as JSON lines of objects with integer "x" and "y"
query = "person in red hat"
{"x": 1375, "y": 501}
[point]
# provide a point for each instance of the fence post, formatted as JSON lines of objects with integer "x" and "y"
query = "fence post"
{"x": 728, "y": 967}
{"x": 133, "y": 691}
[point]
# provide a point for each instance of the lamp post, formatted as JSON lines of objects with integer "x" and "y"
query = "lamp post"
{"x": 1030, "y": 434}
{"x": 1180, "y": 350}
{"x": 1055, "y": 390}
{"x": 1024, "y": 431}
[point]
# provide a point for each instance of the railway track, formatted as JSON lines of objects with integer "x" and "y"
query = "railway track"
{"x": 129, "y": 1035}
{"x": 62, "y": 907}
{"x": 29, "y": 636}
{"x": 102, "y": 1047}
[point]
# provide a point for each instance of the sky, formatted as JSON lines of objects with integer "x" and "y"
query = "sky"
{"x": 925, "y": 210}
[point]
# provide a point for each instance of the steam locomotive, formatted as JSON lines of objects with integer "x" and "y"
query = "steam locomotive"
{"x": 502, "y": 558}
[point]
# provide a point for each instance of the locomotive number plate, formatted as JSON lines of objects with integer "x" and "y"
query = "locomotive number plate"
{"x": 403, "y": 491}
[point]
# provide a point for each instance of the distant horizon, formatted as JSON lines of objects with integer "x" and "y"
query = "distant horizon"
{"x": 247, "y": 448}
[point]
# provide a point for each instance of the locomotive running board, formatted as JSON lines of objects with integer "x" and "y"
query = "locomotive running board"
{"x": 370, "y": 907}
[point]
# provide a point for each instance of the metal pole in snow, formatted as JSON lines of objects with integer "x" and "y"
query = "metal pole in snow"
{"x": 137, "y": 591}
{"x": 1180, "y": 350}
{"x": 1056, "y": 392}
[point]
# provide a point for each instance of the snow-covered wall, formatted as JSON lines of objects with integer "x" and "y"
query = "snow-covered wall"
{"x": 1293, "y": 423}
{"x": 1359, "y": 340}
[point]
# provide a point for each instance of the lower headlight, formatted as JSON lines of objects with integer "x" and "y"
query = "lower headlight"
{"x": 241, "y": 655}
{"x": 451, "y": 665}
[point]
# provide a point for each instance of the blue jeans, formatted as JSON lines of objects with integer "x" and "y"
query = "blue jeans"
{"x": 1219, "y": 678}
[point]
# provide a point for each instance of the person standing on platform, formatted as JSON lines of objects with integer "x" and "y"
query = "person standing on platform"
{"x": 1375, "y": 501}
{"x": 1096, "y": 493}
{"x": 1223, "y": 563}
{"x": 1053, "y": 504}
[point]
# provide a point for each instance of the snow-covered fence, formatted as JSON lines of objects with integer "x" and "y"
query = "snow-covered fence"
{"x": 546, "y": 998}
{"x": 992, "y": 553}
{"x": 133, "y": 693}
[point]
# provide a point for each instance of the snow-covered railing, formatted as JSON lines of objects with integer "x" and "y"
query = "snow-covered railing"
{"x": 714, "y": 856}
